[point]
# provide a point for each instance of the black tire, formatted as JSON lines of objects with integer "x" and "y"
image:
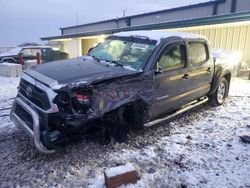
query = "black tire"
{"x": 118, "y": 126}
{"x": 139, "y": 113}
{"x": 221, "y": 93}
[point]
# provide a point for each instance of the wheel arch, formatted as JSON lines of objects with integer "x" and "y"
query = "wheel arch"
{"x": 9, "y": 58}
{"x": 216, "y": 80}
{"x": 129, "y": 111}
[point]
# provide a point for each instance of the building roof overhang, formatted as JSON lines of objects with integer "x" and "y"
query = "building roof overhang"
{"x": 218, "y": 19}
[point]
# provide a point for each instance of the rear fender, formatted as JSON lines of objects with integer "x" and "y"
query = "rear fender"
{"x": 219, "y": 74}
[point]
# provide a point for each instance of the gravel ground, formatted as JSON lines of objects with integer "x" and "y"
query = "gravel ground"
{"x": 200, "y": 148}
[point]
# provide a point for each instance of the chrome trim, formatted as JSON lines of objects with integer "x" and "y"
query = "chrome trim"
{"x": 42, "y": 78}
{"x": 151, "y": 123}
{"x": 161, "y": 98}
{"x": 50, "y": 94}
{"x": 35, "y": 133}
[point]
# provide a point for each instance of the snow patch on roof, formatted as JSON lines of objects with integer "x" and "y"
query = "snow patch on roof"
{"x": 14, "y": 51}
{"x": 158, "y": 35}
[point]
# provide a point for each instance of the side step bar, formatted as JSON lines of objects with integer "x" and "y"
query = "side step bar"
{"x": 184, "y": 109}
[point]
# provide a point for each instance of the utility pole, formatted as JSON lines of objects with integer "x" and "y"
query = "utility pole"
{"x": 124, "y": 13}
{"x": 77, "y": 45}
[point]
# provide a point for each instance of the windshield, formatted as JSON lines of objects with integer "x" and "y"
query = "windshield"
{"x": 125, "y": 51}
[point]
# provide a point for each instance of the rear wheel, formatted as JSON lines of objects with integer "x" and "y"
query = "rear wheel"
{"x": 218, "y": 98}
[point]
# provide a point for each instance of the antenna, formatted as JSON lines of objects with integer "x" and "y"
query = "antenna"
{"x": 124, "y": 13}
{"x": 77, "y": 45}
{"x": 76, "y": 17}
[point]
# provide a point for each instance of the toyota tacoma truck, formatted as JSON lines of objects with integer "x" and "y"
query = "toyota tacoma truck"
{"x": 131, "y": 80}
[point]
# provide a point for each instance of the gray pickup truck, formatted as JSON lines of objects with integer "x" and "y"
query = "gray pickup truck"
{"x": 131, "y": 80}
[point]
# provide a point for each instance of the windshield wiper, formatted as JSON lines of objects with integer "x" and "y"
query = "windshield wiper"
{"x": 116, "y": 63}
{"x": 97, "y": 59}
{"x": 113, "y": 61}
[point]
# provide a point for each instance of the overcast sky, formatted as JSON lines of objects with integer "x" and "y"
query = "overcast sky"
{"x": 28, "y": 20}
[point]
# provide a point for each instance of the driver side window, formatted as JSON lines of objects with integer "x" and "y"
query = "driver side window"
{"x": 174, "y": 57}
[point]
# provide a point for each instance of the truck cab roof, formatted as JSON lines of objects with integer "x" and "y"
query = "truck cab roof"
{"x": 158, "y": 35}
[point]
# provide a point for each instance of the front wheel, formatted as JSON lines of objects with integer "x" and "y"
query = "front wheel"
{"x": 218, "y": 98}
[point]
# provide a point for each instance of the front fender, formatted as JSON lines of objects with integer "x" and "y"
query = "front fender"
{"x": 118, "y": 93}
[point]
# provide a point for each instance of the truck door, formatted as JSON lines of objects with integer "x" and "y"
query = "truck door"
{"x": 200, "y": 69}
{"x": 170, "y": 79}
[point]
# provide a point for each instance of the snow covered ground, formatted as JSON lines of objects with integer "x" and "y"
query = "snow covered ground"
{"x": 8, "y": 87}
{"x": 200, "y": 148}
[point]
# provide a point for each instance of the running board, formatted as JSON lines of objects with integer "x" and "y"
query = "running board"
{"x": 184, "y": 109}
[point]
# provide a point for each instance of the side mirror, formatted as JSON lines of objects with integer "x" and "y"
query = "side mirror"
{"x": 214, "y": 59}
{"x": 158, "y": 69}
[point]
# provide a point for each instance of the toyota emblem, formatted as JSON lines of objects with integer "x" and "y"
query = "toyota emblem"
{"x": 28, "y": 91}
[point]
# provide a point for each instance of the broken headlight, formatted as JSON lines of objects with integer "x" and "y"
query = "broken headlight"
{"x": 82, "y": 99}
{"x": 63, "y": 101}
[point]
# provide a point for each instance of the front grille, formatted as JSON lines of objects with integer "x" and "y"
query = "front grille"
{"x": 34, "y": 94}
{"x": 24, "y": 115}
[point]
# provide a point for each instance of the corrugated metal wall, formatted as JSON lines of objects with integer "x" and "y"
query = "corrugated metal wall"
{"x": 234, "y": 37}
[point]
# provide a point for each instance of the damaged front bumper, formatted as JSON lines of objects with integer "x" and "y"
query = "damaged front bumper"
{"x": 30, "y": 117}
{"x": 32, "y": 129}
{"x": 40, "y": 117}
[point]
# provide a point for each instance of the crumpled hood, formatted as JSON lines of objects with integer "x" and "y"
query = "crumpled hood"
{"x": 83, "y": 69}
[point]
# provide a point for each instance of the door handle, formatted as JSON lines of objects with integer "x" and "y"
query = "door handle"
{"x": 185, "y": 76}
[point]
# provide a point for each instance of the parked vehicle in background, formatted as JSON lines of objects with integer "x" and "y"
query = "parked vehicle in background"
{"x": 131, "y": 80}
{"x": 29, "y": 53}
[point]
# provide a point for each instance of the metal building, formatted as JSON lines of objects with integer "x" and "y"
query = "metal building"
{"x": 226, "y": 23}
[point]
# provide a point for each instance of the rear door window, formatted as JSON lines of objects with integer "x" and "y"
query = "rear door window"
{"x": 198, "y": 53}
{"x": 27, "y": 52}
